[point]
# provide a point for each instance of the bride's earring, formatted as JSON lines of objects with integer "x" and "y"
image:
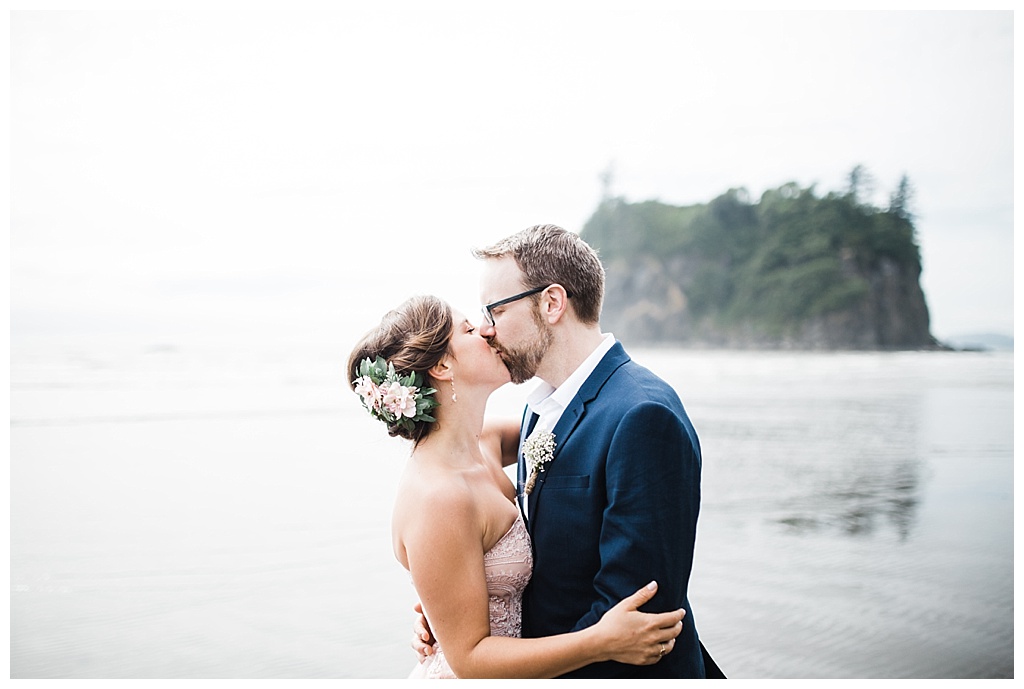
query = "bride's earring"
{"x": 455, "y": 398}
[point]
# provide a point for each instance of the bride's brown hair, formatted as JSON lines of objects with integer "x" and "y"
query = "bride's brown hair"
{"x": 412, "y": 337}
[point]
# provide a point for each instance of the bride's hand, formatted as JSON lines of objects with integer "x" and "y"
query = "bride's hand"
{"x": 637, "y": 638}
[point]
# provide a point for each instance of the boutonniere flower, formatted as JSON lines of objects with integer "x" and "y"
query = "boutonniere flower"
{"x": 538, "y": 450}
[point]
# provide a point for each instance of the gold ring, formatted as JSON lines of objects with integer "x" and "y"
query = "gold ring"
{"x": 662, "y": 644}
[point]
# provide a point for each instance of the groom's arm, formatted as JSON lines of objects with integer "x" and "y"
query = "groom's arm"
{"x": 422, "y": 638}
{"x": 503, "y": 436}
{"x": 649, "y": 525}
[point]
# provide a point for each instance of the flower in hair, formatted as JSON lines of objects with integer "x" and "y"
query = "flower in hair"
{"x": 400, "y": 400}
{"x": 394, "y": 399}
{"x": 372, "y": 396}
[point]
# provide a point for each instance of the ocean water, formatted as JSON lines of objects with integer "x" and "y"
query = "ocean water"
{"x": 211, "y": 510}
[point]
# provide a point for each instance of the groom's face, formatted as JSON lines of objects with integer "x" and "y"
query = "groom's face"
{"x": 519, "y": 335}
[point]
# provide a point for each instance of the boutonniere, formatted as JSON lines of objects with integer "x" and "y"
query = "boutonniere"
{"x": 538, "y": 450}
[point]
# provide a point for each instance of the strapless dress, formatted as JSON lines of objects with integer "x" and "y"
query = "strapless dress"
{"x": 507, "y": 569}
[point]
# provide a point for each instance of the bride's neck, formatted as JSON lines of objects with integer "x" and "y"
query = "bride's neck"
{"x": 457, "y": 432}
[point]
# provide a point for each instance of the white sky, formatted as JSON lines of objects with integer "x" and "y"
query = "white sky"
{"x": 299, "y": 173}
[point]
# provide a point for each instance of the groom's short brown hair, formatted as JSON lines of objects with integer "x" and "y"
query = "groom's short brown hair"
{"x": 548, "y": 254}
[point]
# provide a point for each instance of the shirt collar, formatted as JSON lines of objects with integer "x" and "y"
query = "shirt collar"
{"x": 546, "y": 398}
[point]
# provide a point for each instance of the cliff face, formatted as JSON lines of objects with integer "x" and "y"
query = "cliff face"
{"x": 817, "y": 274}
{"x": 646, "y": 303}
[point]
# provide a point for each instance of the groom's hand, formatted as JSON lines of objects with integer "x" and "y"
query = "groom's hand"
{"x": 422, "y": 637}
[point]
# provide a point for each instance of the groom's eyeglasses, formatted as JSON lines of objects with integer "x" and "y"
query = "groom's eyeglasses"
{"x": 486, "y": 310}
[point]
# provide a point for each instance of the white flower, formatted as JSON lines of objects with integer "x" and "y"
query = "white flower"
{"x": 400, "y": 400}
{"x": 368, "y": 390}
{"x": 538, "y": 450}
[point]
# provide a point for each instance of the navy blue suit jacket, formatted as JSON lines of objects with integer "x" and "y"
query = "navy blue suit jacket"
{"x": 616, "y": 508}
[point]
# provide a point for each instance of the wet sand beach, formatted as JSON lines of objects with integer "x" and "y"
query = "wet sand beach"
{"x": 214, "y": 511}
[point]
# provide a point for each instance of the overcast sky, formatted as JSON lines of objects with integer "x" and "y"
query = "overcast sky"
{"x": 299, "y": 173}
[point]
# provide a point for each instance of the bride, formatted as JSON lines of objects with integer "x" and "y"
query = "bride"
{"x": 427, "y": 374}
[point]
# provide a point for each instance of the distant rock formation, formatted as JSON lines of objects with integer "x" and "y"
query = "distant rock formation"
{"x": 793, "y": 271}
{"x": 645, "y": 303}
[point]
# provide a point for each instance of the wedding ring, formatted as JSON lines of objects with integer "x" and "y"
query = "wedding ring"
{"x": 662, "y": 644}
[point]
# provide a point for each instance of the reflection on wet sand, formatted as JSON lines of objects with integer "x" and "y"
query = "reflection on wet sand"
{"x": 857, "y": 513}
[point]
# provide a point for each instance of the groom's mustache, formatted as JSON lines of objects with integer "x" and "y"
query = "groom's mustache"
{"x": 499, "y": 349}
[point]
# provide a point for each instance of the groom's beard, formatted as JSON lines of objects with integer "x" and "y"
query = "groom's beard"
{"x": 522, "y": 362}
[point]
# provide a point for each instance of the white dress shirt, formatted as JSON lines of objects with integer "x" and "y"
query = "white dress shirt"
{"x": 548, "y": 402}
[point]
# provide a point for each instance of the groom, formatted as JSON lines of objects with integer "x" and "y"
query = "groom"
{"x": 617, "y": 505}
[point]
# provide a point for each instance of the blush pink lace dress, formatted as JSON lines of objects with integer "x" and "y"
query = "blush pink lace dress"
{"x": 507, "y": 568}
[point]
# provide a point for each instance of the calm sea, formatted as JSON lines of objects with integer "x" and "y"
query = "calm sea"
{"x": 215, "y": 511}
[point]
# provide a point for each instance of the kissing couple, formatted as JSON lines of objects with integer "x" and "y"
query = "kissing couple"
{"x": 547, "y": 578}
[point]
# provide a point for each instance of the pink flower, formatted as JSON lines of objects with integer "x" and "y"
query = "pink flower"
{"x": 400, "y": 400}
{"x": 371, "y": 394}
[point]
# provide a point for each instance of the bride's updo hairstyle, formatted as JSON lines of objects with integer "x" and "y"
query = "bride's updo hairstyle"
{"x": 412, "y": 338}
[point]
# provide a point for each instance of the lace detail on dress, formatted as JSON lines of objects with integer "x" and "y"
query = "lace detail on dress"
{"x": 507, "y": 569}
{"x": 508, "y": 566}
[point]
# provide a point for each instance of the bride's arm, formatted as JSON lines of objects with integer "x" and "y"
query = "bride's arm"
{"x": 446, "y": 562}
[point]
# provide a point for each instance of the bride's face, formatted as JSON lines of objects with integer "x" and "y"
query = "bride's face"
{"x": 478, "y": 361}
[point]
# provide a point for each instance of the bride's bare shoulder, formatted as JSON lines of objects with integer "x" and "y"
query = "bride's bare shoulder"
{"x": 427, "y": 487}
{"x": 429, "y": 502}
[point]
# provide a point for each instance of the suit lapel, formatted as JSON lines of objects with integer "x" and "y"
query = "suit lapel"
{"x": 572, "y": 416}
{"x": 529, "y": 421}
